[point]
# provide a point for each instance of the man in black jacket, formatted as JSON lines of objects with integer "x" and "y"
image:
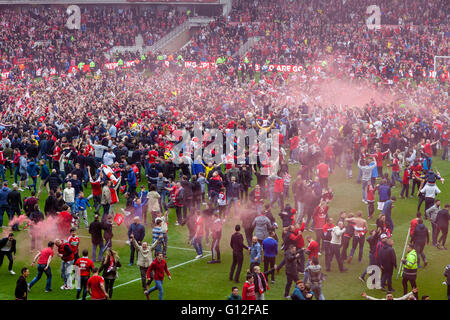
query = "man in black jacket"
{"x": 95, "y": 230}
{"x": 442, "y": 219}
{"x": 237, "y": 244}
{"x": 8, "y": 248}
{"x": 14, "y": 202}
{"x": 138, "y": 231}
{"x": 420, "y": 237}
{"x": 21, "y": 291}
{"x": 388, "y": 262}
{"x": 291, "y": 260}
{"x": 188, "y": 195}
{"x": 53, "y": 180}
{"x": 245, "y": 180}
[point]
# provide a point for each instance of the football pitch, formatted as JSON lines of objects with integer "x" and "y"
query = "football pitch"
{"x": 196, "y": 280}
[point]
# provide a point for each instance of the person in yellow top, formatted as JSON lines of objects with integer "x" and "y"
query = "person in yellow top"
{"x": 268, "y": 128}
{"x": 409, "y": 268}
{"x": 210, "y": 167}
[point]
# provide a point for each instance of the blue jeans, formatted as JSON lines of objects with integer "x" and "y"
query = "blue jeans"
{"x": 197, "y": 243}
{"x": 48, "y": 273}
{"x": 395, "y": 177}
{"x": 100, "y": 252}
{"x": 2, "y": 172}
{"x": 364, "y": 189}
{"x": 3, "y": 208}
{"x": 66, "y": 272}
{"x": 34, "y": 183}
{"x": 71, "y": 206}
{"x": 16, "y": 173}
{"x": 158, "y": 286}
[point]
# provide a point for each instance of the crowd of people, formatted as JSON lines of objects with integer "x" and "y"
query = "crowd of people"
{"x": 117, "y": 131}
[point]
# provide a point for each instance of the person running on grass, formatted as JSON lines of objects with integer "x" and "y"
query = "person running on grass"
{"x": 158, "y": 267}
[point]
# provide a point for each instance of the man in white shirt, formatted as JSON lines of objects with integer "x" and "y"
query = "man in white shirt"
{"x": 108, "y": 157}
{"x": 335, "y": 243}
{"x": 430, "y": 191}
{"x": 69, "y": 196}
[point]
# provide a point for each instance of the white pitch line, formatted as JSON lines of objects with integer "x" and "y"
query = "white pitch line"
{"x": 170, "y": 268}
{"x": 178, "y": 265}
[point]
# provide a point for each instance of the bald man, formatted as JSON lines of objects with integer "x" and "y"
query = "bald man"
{"x": 360, "y": 227}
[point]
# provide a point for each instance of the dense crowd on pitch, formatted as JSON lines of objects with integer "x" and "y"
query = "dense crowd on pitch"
{"x": 127, "y": 120}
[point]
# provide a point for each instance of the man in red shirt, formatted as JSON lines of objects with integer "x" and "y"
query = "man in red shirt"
{"x": 85, "y": 266}
{"x": 96, "y": 189}
{"x": 327, "y": 228}
{"x": 322, "y": 173}
{"x": 379, "y": 159}
{"x": 158, "y": 266}
{"x": 414, "y": 223}
{"x": 395, "y": 169}
{"x": 64, "y": 221}
{"x": 96, "y": 286}
{"x": 56, "y": 156}
{"x": 320, "y": 217}
{"x": 248, "y": 290}
{"x": 312, "y": 251}
{"x": 152, "y": 155}
{"x": 66, "y": 254}
{"x": 44, "y": 257}
{"x": 74, "y": 242}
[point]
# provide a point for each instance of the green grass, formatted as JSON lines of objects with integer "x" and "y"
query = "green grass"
{"x": 197, "y": 280}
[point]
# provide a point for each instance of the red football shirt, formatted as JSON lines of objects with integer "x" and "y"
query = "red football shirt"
{"x": 313, "y": 249}
{"x": 323, "y": 170}
{"x": 199, "y": 224}
{"x": 45, "y": 253}
{"x": 74, "y": 243}
{"x": 152, "y": 156}
{"x": 85, "y": 265}
{"x": 94, "y": 283}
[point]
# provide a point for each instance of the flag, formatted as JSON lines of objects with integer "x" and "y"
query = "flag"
{"x": 118, "y": 218}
